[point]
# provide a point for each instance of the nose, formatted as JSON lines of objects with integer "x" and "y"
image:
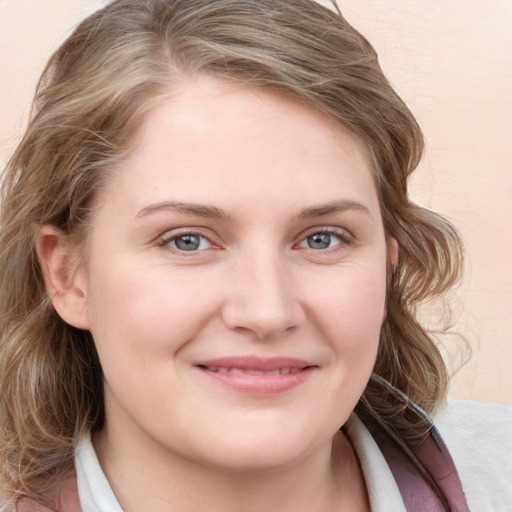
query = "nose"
{"x": 262, "y": 299}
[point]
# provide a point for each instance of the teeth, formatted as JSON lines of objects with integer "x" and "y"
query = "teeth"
{"x": 255, "y": 372}
{"x": 240, "y": 371}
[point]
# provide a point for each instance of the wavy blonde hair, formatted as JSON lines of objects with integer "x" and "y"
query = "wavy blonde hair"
{"x": 95, "y": 88}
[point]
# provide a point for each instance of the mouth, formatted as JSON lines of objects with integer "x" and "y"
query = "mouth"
{"x": 235, "y": 370}
{"x": 261, "y": 376}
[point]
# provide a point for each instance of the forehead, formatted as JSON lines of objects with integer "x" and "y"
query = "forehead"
{"x": 196, "y": 101}
{"x": 207, "y": 134}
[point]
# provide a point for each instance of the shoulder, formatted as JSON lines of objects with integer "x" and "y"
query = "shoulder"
{"x": 486, "y": 426}
{"x": 479, "y": 438}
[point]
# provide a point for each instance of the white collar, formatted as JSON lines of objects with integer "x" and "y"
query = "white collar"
{"x": 381, "y": 485}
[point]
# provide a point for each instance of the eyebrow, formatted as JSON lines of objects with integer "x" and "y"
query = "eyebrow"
{"x": 333, "y": 207}
{"x": 212, "y": 212}
{"x": 198, "y": 210}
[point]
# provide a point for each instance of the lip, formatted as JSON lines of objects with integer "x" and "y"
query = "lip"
{"x": 255, "y": 375}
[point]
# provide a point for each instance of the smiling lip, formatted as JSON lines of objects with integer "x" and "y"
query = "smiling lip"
{"x": 263, "y": 376}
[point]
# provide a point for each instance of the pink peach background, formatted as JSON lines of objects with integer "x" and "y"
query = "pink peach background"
{"x": 451, "y": 60}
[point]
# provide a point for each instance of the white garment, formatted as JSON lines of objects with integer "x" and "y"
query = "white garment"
{"x": 478, "y": 436}
{"x": 93, "y": 487}
{"x": 479, "y": 439}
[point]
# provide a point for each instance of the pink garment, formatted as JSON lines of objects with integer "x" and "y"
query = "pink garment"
{"x": 65, "y": 497}
{"x": 425, "y": 473}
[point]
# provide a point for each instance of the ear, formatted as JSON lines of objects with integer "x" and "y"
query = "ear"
{"x": 392, "y": 250}
{"x": 64, "y": 280}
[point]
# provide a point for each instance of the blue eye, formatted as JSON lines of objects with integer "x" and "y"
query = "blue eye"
{"x": 189, "y": 242}
{"x": 321, "y": 240}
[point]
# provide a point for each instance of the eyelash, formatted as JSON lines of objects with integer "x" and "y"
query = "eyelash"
{"x": 166, "y": 240}
{"x": 345, "y": 239}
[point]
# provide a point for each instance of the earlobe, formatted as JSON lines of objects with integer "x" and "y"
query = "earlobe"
{"x": 65, "y": 283}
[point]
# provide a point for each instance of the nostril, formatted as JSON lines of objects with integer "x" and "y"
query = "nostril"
{"x": 261, "y": 315}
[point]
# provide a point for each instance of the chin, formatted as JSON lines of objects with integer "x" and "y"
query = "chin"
{"x": 264, "y": 449}
{"x": 253, "y": 461}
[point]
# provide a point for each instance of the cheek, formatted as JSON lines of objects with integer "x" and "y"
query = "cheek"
{"x": 141, "y": 323}
{"x": 144, "y": 313}
{"x": 350, "y": 310}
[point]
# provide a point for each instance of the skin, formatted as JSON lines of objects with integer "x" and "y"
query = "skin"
{"x": 259, "y": 180}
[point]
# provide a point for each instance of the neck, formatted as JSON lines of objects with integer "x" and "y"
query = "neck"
{"x": 328, "y": 480}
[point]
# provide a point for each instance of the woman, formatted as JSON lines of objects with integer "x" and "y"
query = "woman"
{"x": 210, "y": 272}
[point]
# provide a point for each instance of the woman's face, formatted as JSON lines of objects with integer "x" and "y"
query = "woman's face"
{"x": 235, "y": 280}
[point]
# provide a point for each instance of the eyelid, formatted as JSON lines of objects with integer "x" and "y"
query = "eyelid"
{"x": 165, "y": 239}
{"x": 346, "y": 238}
{"x": 343, "y": 233}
